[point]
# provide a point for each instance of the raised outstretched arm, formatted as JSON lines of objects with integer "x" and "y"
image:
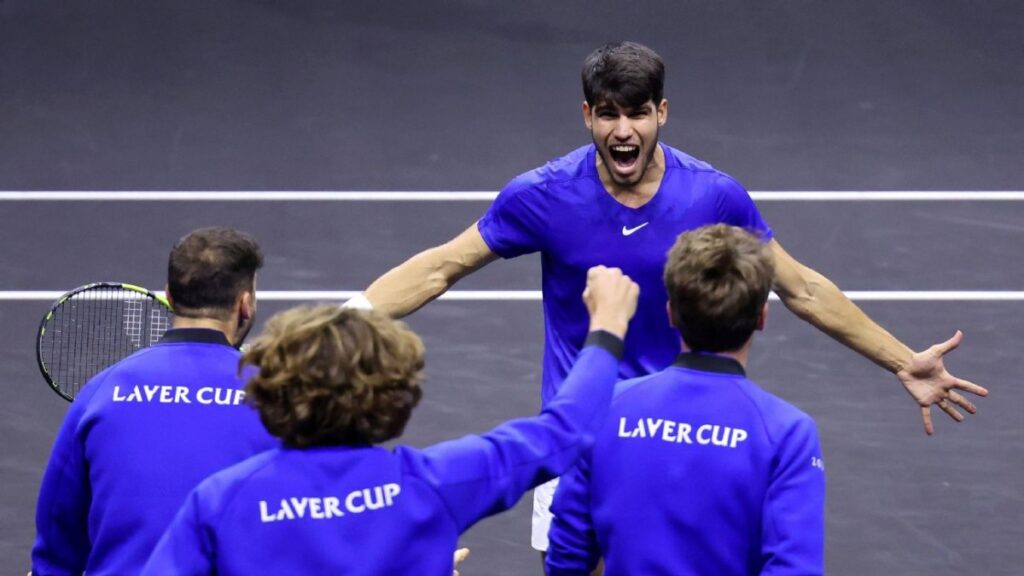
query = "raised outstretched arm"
{"x": 408, "y": 286}
{"x": 815, "y": 299}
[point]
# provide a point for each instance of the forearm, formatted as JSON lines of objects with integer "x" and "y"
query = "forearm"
{"x": 62, "y": 543}
{"x": 572, "y": 548}
{"x": 481, "y": 475}
{"x": 815, "y": 299}
{"x": 60, "y": 551}
{"x": 547, "y": 445}
{"x": 818, "y": 301}
{"x": 793, "y": 523}
{"x": 407, "y": 287}
{"x": 427, "y": 275}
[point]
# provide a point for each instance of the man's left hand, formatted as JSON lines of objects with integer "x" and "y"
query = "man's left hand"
{"x": 927, "y": 380}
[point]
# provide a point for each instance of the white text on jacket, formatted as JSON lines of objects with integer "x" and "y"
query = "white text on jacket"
{"x": 682, "y": 432}
{"x": 327, "y": 507}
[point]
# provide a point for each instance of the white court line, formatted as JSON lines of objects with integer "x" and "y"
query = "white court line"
{"x": 510, "y": 295}
{"x": 442, "y": 196}
{"x": 535, "y": 295}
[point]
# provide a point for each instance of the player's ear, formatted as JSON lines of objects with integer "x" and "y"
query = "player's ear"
{"x": 167, "y": 294}
{"x": 588, "y": 119}
{"x": 762, "y": 319}
{"x": 247, "y": 304}
{"x": 671, "y": 318}
{"x": 662, "y": 112}
{"x": 249, "y": 301}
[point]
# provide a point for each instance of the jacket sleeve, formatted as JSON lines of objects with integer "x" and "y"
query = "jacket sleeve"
{"x": 62, "y": 543}
{"x": 476, "y": 476}
{"x": 186, "y": 547}
{"x": 573, "y": 547}
{"x": 793, "y": 530}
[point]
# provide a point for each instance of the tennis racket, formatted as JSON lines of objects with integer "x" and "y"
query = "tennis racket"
{"x": 94, "y": 326}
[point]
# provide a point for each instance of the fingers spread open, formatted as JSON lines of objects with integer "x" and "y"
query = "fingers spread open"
{"x": 971, "y": 387}
{"x": 949, "y": 345}
{"x": 926, "y": 414}
{"x": 951, "y": 410}
{"x": 962, "y": 402}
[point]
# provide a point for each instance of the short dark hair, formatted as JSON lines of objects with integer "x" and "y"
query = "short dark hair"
{"x": 209, "y": 268}
{"x": 328, "y": 375}
{"x": 718, "y": 278}
{"x": 625, "y": 73}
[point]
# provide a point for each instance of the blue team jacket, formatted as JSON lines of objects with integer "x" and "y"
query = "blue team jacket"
{"x": 698, "y": 471}
{"x": 369, "y": 510}
{"x": 135, "y": 441}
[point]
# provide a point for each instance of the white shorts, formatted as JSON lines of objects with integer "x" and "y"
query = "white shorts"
{"x": 542, "y": 497}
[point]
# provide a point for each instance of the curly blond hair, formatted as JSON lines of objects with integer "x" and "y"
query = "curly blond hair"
{"x": 328, "y": 376}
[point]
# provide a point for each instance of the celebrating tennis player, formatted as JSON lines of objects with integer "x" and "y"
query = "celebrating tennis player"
{"x": 622, "y": 201}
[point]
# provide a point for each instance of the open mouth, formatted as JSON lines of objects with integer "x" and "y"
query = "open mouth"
{"x": 624, "y": 155}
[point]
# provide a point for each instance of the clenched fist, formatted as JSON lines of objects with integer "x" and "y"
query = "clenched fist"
{"x": 611, "y": 298}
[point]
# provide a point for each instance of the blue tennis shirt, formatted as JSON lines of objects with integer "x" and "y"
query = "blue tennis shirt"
{"x": 564, "y": 212}
{"x": 135, "y": 441}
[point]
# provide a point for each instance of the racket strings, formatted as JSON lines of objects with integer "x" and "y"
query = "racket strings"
{"x": 159, "y": 322}
{"x": 133, "y": 322}
{"x": 95, "y": 328}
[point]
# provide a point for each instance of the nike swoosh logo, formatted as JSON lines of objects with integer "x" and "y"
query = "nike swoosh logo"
{"x": 628, "y": 231}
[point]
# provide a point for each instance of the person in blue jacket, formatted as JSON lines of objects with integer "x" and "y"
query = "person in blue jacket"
{"x": 333, "y": 383}
{"x": 144, "y": 432}
{"x": 697, "y": 470}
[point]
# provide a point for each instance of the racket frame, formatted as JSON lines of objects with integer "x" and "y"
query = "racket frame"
{"x": 67, "y": 296}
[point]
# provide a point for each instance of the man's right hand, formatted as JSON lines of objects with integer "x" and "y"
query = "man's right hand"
{"x": 611, "y": 298}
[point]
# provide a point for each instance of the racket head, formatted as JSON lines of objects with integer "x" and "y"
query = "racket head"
{"x": 93, "y": 326}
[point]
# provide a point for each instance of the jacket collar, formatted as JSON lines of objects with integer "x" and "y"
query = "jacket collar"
{"x": 196, "y": 335}
{"x": 710, "y": 363}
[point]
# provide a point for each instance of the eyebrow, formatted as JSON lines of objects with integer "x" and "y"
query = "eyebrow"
{"x": 628, "y": 110}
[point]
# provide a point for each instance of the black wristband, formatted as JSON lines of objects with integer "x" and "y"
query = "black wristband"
{"x": 606, "y": 340}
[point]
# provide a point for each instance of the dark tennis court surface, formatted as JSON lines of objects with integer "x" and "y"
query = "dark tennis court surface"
{"x": 785, "y": 95}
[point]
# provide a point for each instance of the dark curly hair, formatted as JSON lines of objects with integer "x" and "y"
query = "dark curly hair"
{"x": 328, "y": 376}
